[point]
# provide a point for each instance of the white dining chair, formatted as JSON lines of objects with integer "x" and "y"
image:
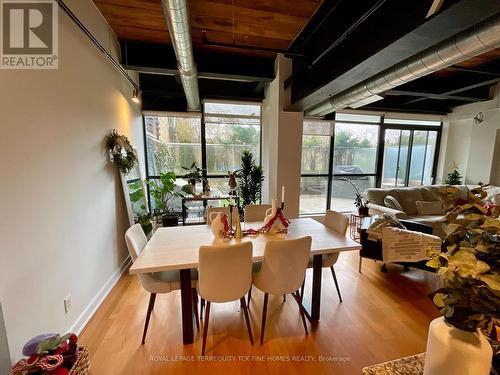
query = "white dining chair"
{"x": 222, "y": 209}
{"x": 339, "y": 223}
{"x": 157, "y": 282}
{"x": 224, "y": 275}
{"x": 255, "y": 212}
{"x": 282, "y": 272}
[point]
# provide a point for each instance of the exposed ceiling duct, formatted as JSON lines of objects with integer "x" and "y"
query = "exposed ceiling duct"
{"x": 177, "y": 17}
{"x": 474, "y": 42}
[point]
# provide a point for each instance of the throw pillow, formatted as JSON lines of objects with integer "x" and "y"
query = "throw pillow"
{"x": 429, "y": 208}
{"x": 391, "y": 202}
{"x": 407, "y": 198}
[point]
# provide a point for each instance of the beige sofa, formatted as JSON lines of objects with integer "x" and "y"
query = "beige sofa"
{"x": 407, "y": 198}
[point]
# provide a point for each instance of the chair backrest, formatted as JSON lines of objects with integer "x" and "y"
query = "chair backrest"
{"x": 136, "y": 240}
{"x": 336, "y": 221}
{"x": 284, "y": 265}
{"x": 225, "y": 271}
{"x": 222, "y": 209}
{"x": 256, "y": 212}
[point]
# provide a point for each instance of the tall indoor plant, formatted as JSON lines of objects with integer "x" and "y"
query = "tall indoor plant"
{"x": 470, "y": 297}
{"x": 251, "y": 177}
{"x": 164, "y": 191}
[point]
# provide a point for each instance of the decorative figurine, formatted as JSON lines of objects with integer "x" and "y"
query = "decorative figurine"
{"x": 220, "y": 225}
{"x": 232, "y": 182}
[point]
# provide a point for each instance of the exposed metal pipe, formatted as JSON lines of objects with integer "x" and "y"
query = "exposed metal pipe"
{"x": 177, "y": 18}
{"x": 478, "y": 40}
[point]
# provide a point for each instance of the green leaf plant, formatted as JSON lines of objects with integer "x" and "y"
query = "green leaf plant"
{"x": 251, "y": 177}
{"x": 469, "y": 264}
{"x": 164, "y": 191}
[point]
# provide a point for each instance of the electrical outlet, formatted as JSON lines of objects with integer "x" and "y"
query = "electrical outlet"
{"x": 67, "y": 304}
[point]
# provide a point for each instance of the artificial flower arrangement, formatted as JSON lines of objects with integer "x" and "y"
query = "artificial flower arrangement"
{"x": 121, "y": 151}
{"x": 470, "y": 267}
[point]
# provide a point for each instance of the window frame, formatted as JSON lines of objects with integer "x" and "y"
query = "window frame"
{"x": 203, "y": 143}
{"x": 383, "y": 126}
{"x": 412, "y": 129}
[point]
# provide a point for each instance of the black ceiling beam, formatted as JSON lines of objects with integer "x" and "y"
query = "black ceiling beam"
{"x": 162, "y": 92}
{"x": 157, "y": 58}
{"x": 473, "y": 70}
{"x": 334, "y": 75}
{"x": 462, "y": 89}
{"x": 428, "y": 95}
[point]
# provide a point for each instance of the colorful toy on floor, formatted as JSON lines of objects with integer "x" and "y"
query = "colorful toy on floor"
{"x": 48, "y": 354}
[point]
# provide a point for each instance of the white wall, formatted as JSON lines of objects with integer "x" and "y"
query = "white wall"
{"x": 63, "y": 216}
{"x": 471, "y": 146}
{"x": 281, "y": 142}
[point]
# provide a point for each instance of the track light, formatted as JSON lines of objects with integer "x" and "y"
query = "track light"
{"x": 136, "y": 96}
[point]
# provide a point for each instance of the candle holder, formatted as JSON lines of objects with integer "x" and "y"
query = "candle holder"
{"x": 230, "y": 218}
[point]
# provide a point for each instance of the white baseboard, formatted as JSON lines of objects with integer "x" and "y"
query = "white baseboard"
{"x": 96, "y": 302}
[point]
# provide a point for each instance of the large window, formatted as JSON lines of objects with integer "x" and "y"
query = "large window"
{"x": 230, "y": 129}
{"x": 316, "y": 165}
{"x": 172, "y": 141}
{"x": 214, "y": 139}
{"x": 410, "y": 152}
{"x": 369, "y": 151}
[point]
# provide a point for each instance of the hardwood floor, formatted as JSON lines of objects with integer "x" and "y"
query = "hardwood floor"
{"x": 382, "y": 317}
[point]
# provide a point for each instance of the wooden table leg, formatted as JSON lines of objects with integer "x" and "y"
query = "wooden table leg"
{"x": 313, "y": 313}
{"x": 187, "y": 307}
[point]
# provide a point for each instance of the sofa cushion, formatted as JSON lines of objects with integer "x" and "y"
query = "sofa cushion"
{"x": 376, "y": 195}
{"x": 407, "y": 198}
{"x": 430, "y": 193}
{"x": 429, "y": 208}
{"x": 391, "y": 202}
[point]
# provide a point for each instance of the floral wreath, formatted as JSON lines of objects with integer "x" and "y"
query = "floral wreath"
{"x": 121, "y": 151}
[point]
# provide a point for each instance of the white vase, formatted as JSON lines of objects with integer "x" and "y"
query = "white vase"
{"x": 452, "y": 351}
{"x": 217, "y": 225}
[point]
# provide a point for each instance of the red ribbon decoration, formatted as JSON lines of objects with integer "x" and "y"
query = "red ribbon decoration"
{"x": 266, "y": 228}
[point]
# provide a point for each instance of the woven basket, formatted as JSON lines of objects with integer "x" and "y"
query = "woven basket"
{"x": 82, "y": 364}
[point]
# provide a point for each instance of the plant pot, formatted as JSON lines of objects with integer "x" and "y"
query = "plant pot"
{"x": 363, "y": 211}
{"x": 147, "y": 227}
{"x": 452, "y": 351}
{"x": 170, "y": 220}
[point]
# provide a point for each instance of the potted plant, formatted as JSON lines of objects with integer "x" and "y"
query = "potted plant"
{"x": 164, "y": 191}
{"x": 470, "y": 297}
{"x": 454, "y": 177}
{"x": 193, "y": 176}
{"x": 251, "y": 177}
{"x": 360, "y": 203}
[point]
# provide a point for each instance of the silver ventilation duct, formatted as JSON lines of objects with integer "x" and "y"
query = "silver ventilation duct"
{"x": 177, "y": 17}
{"x": 460, "y": 48}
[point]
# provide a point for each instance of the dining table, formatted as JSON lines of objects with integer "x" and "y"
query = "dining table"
{"x": 177, "y": 248}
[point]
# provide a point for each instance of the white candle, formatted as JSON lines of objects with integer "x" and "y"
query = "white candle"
{"x": 283, "y": 194}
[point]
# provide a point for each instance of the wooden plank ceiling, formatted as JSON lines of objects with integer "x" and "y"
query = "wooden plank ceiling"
{"x": 261, "y": 23}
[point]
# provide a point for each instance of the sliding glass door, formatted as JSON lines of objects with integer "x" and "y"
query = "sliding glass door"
{"x": 408, "y": 157}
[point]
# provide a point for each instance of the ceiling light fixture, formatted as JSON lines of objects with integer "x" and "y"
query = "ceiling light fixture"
{"x": 136, "y": 96}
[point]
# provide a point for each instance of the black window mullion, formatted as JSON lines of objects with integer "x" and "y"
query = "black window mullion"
{"x": 329, "y": 182}
{"x": 425, "y": 158}
{"x": 380, "y": 153}
{"x": 204, "y": 168}
{"x": 408, "y": 159}
{"x": 436, "y": 153}
{"x": 146, "y": 161}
